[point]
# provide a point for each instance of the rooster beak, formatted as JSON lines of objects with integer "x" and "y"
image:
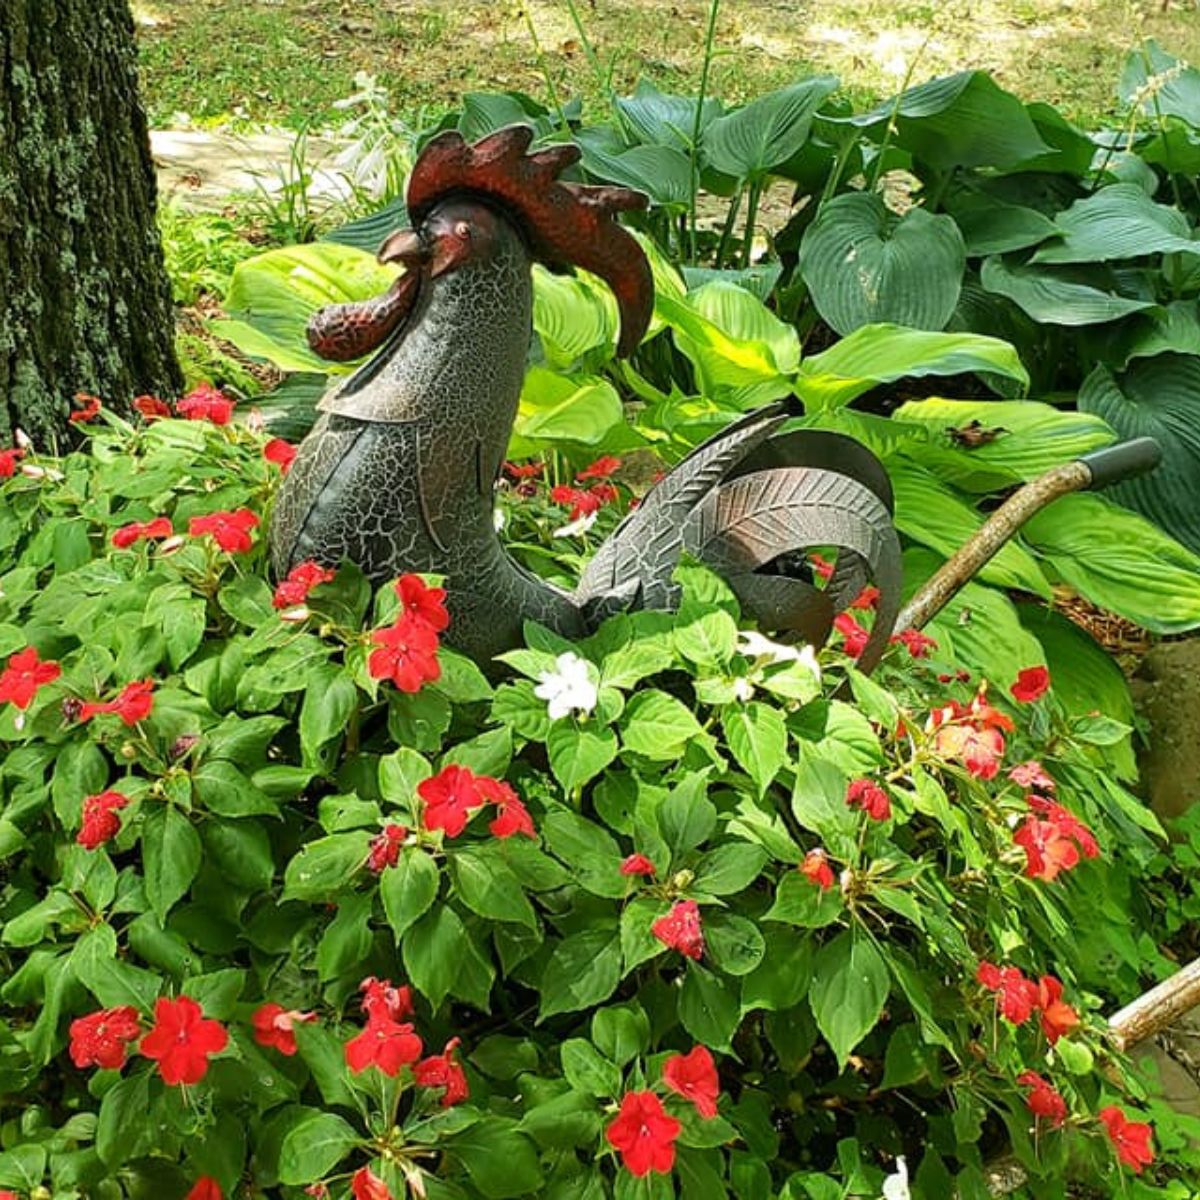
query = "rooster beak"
{"x": 405, "y": 246}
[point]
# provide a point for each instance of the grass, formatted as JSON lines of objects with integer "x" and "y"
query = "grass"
{"x": 287, "y": 62}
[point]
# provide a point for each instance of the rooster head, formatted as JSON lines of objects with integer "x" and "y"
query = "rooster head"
{"x": 461, "y": 200}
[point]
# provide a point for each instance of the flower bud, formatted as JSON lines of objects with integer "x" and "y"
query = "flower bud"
{"x": 170, "y": 545}
{"x": 23, "y": 440}
{"x": 182, "y": 745}
{"x": 128, "y": 751}
{"x": 683, "y": 880}
{"x": 297, "y": 614}
{"x": 71, "y": 708}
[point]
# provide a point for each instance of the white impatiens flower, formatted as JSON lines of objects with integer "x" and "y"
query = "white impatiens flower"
{"x": 755, "y": 645}
{"x": 743, "y": 689}
{"x": 579, "y": 525}
{"x": 895, "y": 1187}
{"x": 499, "y": 519}
{"x": 567, "y": 688}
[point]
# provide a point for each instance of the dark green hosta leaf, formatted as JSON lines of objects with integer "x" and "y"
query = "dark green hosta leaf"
{"x": 1120, "y": 561}
{"x": 850, "y": 986}
{"x": 1119, "y": 221}
{"x": 662, "y": 172}
{"x": 368, "y": 233}
{"x": 962, "y": 120}
{"x": 989, "y": 226}
{"x": 661, "y": 119}
{"x": 171, "y": 853}
{"x": 314, "y": 1145}
{"x": 582, "y": 971}
{"x": 1177, "y": 91}
{"x": 765, "y": 133}
{"x": 1158, "y": 398}
{"x": 862, "y": 264}
{"x": 1063, "y": 296}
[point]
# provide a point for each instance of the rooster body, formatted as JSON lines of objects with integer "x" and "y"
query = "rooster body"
{"x": 399, "y": 471}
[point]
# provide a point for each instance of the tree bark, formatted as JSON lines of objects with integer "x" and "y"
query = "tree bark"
{"x": 85, "y": 304}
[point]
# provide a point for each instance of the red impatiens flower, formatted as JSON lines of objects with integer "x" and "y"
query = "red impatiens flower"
{"x": 816, "y": 867}
{"x": 1044, "y": 1099}
{"x": 638, "y": 864}
{"x": 230, "y": 530}
{"x": 101, "y": 1038}
{"x": 694, "y": 1077}
{"x": 917, "y": 644}
{"x": 1016, "y": 996}
{"x": 151, "y": 407}
{"x": 1130, "y": 1138}
{"x": 275, "y": 1026}
{"x": 1032, "y": 683}
{"x": 422, "y": 602}
{"x": 603, "y": 468}
{"x": 444, "y": 1071}
{"x": 384, "y": 851}
{"x": 866, "y": 599}
{"x": 300, "y": 580}
{"x": 406, "y": 654}
{"x": 182, "y": 1040}
{"x": 89, "y": 408}
{"x": 206, "y": 1188}
{"x": 1068, "y": 824}
{"x": 1057, "y": 1017}
{"x": 512, "y": 817}
{"x": 854, "y": 636}
{"x": 449, "y": 796}
{"x": 366, "y": 1185}
{"x": 24, "y": 675}
{"x": 1053, "y": 844}
{"x": 382, "y": 1000}
{"x": 135, "y": 531}
{"x": 681, "y": 930}
{"x": 206, "y": 403}
{"x": 100, "y": 821}
{"x": 133, "y": 704}
{"x": 643, "y": 1134}
{"x": 870, "y": 797}
{"x": 973, "y": 734}
{"x": 821, "y": 566}
{"x": 281, "y": 453}
{"x": 8, "y": 461}
{"x": 529, "y": 470}
{"x": 1031, "y": 775}
{"x": 384, "y": 1043}
{"x": 582, "y": 503}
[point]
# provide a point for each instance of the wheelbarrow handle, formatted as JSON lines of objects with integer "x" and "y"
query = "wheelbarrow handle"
{"x": 1093, "y": 471}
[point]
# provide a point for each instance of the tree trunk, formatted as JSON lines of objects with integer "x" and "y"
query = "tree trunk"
{"x": 85, "y": 304}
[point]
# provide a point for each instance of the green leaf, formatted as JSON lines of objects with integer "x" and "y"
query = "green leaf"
{"x": 171, "y": 854}
{"x": 323, "y": 867}
{"x": 500, "y": 1161}
{"x": 574, "y": 315}
{"x": 687, "y": 818}
{"x": 709, "y": 639}
{"x": 800, "y": 901}
{"x": 1158, "y": 398}
{"x": 23, "y": 1167}
{"x": 122, "y": 1131}
{"x": 727, "y": 869}
{"x": 709, "y": 1008}
{"x": 819, "y": 801}
{"x": 990, "y": 226}
{"x": 1176, "y": 86}
{"x": 110, "y": 979}
{"x": 408, "y": 889}
{"x": 559, "y": 409}
{"x": 906, "y": 270}
{"x": 1118, "y": 221}
{"x": 314, "y": 1145}
{"x": 583, "y": 970}
{"x": 593, "y": 856}
{"x": 488, "y": 886}
{"x": 1120, "y": 561}
{"x": 324, "y": 1053}
{"x": 662, "y": 172}
{"x": 849, "y": 989}
{"x": 733, "y": 943}
{"x": 578, "y": 753}
{"x": 757, "y": 739}
{"x": 875, "y": 354}
{"x": 638, "y": 943}
{"x": 782, "y": 978}
{"x": 765, "y": 133}
{"x": 1062, "y": 296}
{"x": 330, "y": 701}
{"x": 621, "y": 1032}
{"x": 440, "y": 957}
{"x": 587, "y": 1070}
{"x": 657, "y": 726}
{"x": 347, "y": 939}
{"x": 222, "y": 789}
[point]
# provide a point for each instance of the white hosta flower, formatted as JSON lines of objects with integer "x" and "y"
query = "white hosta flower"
{"x": 895, "y": 1187}
{"x": 755, "y": 645}
{"x": 567, "y": 688}
{"x": 579, "y": 525}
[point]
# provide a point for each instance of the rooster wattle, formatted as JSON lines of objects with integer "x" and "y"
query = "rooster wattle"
{"x": 398, "y": 473}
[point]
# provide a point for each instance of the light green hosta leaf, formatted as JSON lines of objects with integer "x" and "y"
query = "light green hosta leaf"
{"x": 931, "y": 513}
{"x": 1120, "y": 561}
{"x": 862, "y": 264}
{"x": 765, "y": 133}
{"x": 276, "y": 293}
{"x": 741, "y": 351}
{"x": 850, "y": 986}
{"x": 1119, "y": 221}
{"x": 574, "y": 315}
{"x": 1036, "y": 437}
{"x": 557, "y": 409}
{"x": 1059, "y": 297}
{"x": 875, "y": 354}
{"x": 1159, "y": 398}
{"x": 667, "y": 280}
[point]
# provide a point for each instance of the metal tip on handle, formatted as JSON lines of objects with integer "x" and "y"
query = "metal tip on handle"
{"x": 1123, "y": 461}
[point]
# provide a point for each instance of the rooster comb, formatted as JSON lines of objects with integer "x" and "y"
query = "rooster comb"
{"x": 565, "y": 224}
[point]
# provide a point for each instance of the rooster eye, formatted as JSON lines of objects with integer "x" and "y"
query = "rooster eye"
{"x": 462, "y": 231}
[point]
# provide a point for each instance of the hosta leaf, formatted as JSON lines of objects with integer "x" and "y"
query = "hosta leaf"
{"x": 1159, "y": 398}
{"x": 573, "y": 314}
{"x": 662, "y": 172}
{"x": 1059, "y": 297}
{"x": 555, "y": 409}
{"x": 849, "y": 988}
{"x": 661, "y": 119}
{"x": 1176, "y": 90}
{"x": 1120, "y": 561}
{"x": 989, "y": 226}
{"x": 862, "y": 264}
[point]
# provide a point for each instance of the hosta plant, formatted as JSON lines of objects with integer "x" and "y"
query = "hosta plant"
{"x": 299, "y": 902}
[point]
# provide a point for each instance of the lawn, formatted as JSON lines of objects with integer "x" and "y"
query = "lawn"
{"x": 287, "y": 62}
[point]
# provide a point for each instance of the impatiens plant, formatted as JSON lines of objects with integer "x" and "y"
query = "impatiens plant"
{"x": 299, "y": 902}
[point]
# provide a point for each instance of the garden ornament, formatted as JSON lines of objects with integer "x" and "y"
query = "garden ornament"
{"x": 399, "y": 471}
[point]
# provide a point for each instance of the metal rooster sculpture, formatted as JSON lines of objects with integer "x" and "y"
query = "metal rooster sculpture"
{"x": 398, "y": 473}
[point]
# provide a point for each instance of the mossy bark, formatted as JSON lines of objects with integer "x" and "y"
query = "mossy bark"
{"x": 85, "y": 304}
